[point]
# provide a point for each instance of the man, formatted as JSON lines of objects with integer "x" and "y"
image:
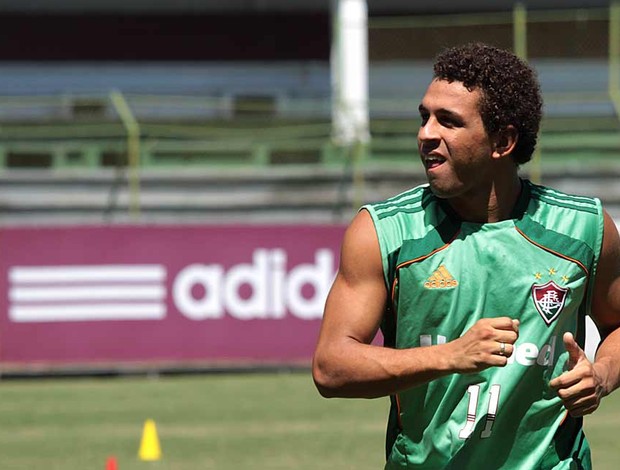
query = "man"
{"x": 480, "y": 282}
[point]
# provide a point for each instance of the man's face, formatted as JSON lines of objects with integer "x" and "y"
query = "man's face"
{"x": 454, "y": 146}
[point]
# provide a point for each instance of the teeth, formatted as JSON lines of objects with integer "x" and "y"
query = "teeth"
{"x": 433, "y": 159}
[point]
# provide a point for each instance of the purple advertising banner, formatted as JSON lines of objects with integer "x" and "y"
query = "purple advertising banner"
{"x": 160, "y": 293}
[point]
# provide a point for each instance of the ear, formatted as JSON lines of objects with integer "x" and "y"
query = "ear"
{"x": 505, "y": 141}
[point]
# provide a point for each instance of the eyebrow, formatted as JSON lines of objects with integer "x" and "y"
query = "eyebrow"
{"x": 441, "y": 112}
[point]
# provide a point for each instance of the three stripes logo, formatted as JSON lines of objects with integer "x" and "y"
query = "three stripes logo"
{"x": 87, "y": 293}
{"x": 441, "y": 279}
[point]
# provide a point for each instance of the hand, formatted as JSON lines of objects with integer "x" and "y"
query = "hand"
{"x": 581, "y": 386}
{"x": 480, "y": 347}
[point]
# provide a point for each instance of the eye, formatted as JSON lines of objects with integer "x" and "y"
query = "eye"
{"x": 450, "y": 122}
{"x": 447, "y": 122}
{"x": 424, "y": 118}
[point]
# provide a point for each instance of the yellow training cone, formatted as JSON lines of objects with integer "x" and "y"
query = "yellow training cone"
{"x": 149, "y": 445}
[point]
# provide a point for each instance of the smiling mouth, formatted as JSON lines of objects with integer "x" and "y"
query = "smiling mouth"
{"x": 433, "y": 161}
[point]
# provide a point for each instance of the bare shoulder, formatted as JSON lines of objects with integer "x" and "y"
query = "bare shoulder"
{"x": 361, "y": 254}
{"x": 357, "y": 299}
{"x": 606, "y": 302}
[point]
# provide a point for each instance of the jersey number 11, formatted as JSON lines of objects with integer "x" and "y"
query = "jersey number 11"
{"x": 472, "y": 410}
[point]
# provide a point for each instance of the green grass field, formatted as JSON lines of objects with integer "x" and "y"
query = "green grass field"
{"x": 224, "y": 422}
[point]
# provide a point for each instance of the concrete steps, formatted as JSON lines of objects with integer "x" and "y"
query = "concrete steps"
{"x": 310, "y": 194}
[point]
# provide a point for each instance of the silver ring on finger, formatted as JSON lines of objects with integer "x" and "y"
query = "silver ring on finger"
{"x": 502, "y": 348}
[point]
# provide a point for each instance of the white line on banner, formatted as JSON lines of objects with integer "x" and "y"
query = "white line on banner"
{"x": 108, "y": 292}
{"x": 109, "y": 273}
{"x": 86, "y": 312}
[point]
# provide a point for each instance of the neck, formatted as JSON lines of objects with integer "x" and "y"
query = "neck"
{"x": 489, "y": 204}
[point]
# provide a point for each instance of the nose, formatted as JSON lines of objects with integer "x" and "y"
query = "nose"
{"x": 428, "y": 136}
{"x": 429, "y": 131}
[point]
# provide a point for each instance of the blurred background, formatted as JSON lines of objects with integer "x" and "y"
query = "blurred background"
{"x": 160, "y": 111}
{"x": 175, "y": 180}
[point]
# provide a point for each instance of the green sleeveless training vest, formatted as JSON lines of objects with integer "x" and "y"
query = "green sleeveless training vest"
{"x": 443, "y": 275}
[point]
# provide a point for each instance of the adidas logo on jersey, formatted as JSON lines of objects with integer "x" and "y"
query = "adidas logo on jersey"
{"x": 441, "y": 279}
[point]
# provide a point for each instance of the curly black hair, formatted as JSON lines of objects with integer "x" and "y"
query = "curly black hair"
{"x": 510, "y": 90}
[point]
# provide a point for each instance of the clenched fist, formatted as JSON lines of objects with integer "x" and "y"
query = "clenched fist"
{"x": 488, "y": 343}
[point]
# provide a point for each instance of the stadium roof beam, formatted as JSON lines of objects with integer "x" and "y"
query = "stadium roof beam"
{"x": 257, "y": 6}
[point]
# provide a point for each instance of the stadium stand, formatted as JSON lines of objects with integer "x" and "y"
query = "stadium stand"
{"x": 249, "y": 140}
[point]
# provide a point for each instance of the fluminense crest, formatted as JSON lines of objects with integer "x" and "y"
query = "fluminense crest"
{"x": 549, "y": 300}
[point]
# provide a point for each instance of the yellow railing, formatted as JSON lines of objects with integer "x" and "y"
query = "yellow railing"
{"x": 133, "y": 150}
{"x": 474, "y": 20}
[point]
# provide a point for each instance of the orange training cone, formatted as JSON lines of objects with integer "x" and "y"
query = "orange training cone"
{"x": 149, "y": 445}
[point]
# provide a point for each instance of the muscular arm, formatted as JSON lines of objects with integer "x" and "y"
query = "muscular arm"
{"x": 346, "y": 364}
{"x": 584, "y": 384}
{"x": 606, "y": 308}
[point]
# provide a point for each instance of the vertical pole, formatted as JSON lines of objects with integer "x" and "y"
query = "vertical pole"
{"x": 349, "y": 67}
{"x": 519, "y": 30}
{"x": 519, "y": 39}
{"x": 133, "y": 150}
{"x": 3, "y": 158}
{"x": 614, "y": 55}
